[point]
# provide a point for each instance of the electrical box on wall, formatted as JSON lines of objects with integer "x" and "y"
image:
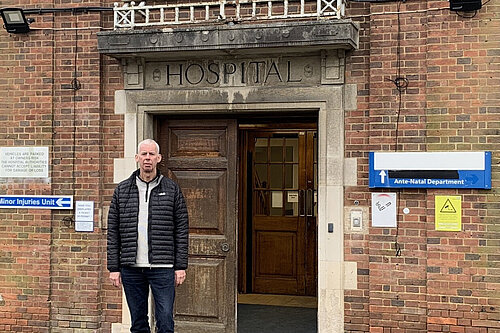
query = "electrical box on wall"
{"x": 356, "y": 219}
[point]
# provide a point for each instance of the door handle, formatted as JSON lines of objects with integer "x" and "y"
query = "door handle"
{"x": 302, "y": 203}
{"x": 224, "y": 247}
{"x": 309, "y": 202}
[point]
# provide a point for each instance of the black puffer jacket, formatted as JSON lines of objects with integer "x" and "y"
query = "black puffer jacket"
{"x": 168, "y": 225}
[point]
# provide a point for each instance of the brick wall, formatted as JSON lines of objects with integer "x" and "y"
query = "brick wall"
{"x": 52, "y": 279}
{"x": 442, "y": 281}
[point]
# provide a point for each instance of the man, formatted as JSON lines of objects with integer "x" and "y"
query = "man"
{"x": 148, "y": 240}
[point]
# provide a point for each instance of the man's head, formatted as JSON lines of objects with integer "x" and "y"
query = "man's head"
{"x": 148, "y": 156}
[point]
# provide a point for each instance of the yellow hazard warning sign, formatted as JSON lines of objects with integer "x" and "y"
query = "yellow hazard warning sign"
{"x": 448, "y": 212}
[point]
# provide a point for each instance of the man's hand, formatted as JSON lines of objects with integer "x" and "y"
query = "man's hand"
{"x": 180, "y": 276}
{"x": 115, "y": 278}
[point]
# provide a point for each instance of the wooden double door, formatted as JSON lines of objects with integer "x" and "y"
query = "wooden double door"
{"x": 260, "y": 183}
{"x": 201, "y": 156}
{"x": 280, "y": 201}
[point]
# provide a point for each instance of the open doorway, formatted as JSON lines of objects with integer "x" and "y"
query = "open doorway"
{"x": 259, "y": 179}
{"x": 277, "y": 280}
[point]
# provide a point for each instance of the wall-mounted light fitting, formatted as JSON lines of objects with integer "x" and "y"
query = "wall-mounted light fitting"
{"x": 465, "y": 5}
{"x": 15, "y": 21}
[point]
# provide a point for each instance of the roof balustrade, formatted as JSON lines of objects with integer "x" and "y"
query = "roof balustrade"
{"x": 132, "y": 15}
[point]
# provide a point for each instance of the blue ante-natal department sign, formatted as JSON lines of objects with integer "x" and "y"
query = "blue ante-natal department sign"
{"x": 38, "y": 202}
{"x": 430, "y": 170}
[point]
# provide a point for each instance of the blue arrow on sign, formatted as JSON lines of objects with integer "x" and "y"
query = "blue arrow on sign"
{"x": 382, "y": 176}
{"x": 64, "y": 202}
{"x": 36, "y": 202}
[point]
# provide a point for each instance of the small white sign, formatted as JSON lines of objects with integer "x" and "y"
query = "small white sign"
{"x": 84, "y": 211}
{"x": 384, "y": 210}
{"x": 24, "y": 162}
{"x": 84, "y": 226}
{"x": 84, "y": 216}
{"x": 293, "y": 196}
{"x": 277, "y": 199}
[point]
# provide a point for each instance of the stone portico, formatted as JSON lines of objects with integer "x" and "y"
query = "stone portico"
{"x": 277, "y": 68}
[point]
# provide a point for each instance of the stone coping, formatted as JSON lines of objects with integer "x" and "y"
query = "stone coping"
{"x": 231, "y": 39}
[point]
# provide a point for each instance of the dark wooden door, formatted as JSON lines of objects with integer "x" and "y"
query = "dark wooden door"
{"x": 283, "y": 219}
{"x": 200, "y": 155}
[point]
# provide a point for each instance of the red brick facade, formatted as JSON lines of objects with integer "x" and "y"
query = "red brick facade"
{"x": 53, "y": 279}
{"x": 443, "y": 281}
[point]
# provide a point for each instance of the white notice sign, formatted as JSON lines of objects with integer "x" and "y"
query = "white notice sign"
{"x": 384, "y": 210}
{"x": 84, "y": 216}
{"x": 293, "y": 196}
{"x": 24, "y": 162}
{"x": 277, "y": 199}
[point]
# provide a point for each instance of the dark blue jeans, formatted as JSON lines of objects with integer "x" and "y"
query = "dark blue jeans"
{"x": 136, "y": 282}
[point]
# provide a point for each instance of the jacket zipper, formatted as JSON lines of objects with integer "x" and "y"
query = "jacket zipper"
{"x": 150, "y": 254}
{"x": 150, "y": 257}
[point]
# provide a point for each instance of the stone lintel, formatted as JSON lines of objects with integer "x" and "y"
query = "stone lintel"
{"x": 231, "y": 39}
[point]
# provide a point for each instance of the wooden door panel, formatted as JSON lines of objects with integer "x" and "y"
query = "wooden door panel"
{"x": 272, "y": 224}
{"x": 201, "y": 157}
{"x": 203, "y": 245}
{"x": 205, "y": 193}
{"x": 279, "y": 286}
{"x": 276, "y": 271}
{"x": 198, "y": 142}
{"x": 280, "y": 251}
{"x": 203, "y": 292}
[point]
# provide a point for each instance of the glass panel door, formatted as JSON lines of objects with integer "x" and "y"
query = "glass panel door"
{"x": 284, "y": 206}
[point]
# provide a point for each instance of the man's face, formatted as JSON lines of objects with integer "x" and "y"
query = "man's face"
{"x": 148, "y": 157}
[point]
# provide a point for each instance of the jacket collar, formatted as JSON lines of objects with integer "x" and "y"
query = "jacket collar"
{"x": 136, "y": 174}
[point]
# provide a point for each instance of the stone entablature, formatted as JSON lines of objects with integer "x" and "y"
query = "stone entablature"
{"x": 326, "y": 67}
{"x": 184, "y": 43}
